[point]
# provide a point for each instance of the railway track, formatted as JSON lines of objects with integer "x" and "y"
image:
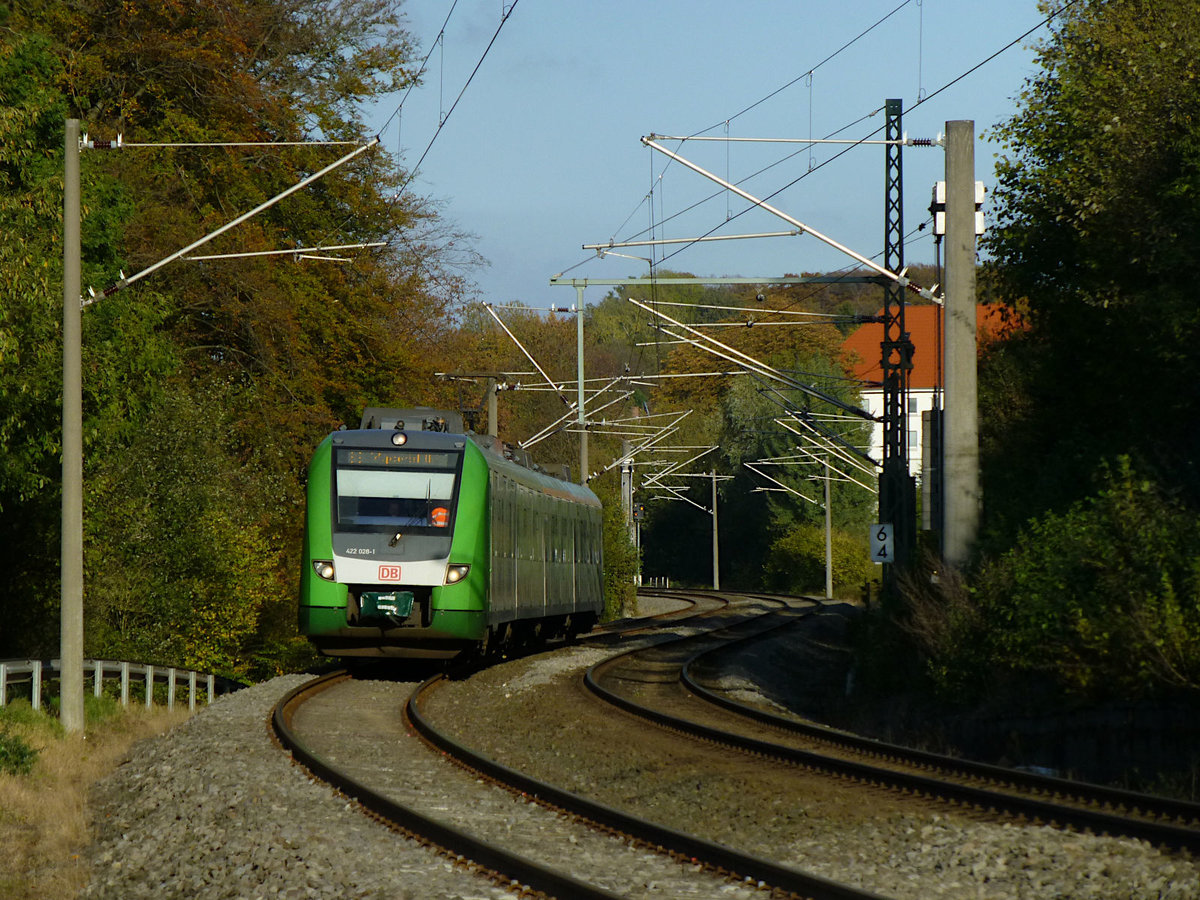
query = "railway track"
{"x": 654, "y": 683}
{"x": 626, "y": 849}
{"x": 704, "y": 868}
{"x": 496, "y": 863}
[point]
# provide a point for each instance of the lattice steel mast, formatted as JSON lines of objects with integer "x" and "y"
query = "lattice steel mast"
{"x": 897, "y": 496}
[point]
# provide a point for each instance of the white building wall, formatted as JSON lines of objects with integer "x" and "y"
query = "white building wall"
{"x": 919, "y": 401}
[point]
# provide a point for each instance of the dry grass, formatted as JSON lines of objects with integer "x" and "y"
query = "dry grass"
{"x": 44, "y": 828}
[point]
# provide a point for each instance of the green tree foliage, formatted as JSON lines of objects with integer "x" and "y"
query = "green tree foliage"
{"x": 1097, "y": 224}
{"x": 1102, "y": 599}
{"x": 31, "y": 182}
{"x": 796, "y": 561}
{"x": 1090, "y": 583}
{"x": 621, "y": 564}
{"x": 181, "y": 559}
{"x": 207, "y": 384}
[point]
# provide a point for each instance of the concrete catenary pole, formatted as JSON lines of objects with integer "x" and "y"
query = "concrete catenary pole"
{"x": 962, "y": 496}
{"x": 715, "y": 540}
{"x": 627, "y": 489}
{"x": 828, "y": 536}
{"x": 71, "y": 573}
{"x": 492, "y": 408}
{"x": 583, "y": 437}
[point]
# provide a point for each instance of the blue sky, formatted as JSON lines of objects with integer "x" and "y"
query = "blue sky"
{"x": 542, "y": 153}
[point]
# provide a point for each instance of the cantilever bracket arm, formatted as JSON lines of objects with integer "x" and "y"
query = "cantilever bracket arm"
{"x": 899, "y": 278}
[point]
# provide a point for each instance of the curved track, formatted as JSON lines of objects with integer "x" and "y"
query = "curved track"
{"x": 663, "y": 675}
{"x": 503, "y": 867}
{"x": 647, "y": 682}
{"x": 714, "y": 864}
{"x": 718, "y": 858}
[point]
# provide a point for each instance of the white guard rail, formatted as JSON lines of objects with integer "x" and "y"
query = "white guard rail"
{"x": 31, "y": 672}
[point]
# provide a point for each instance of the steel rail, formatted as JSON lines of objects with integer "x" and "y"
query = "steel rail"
{"x": 623, "y": 627}
{"x": 1181, "y": 811}
{"x": 1156, "y": 832}
{"x": 453, "y": 841}
{"x": 697, "y": 849}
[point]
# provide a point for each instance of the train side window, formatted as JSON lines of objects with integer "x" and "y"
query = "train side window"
{"x": 557, "y": 531}
{"x": 509, "y": 537}
{"x": 502, "y": 528}
{"x": 510, "y": 526}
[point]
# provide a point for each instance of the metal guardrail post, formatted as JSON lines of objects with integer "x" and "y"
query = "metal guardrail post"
{"x": 17, "y": 669}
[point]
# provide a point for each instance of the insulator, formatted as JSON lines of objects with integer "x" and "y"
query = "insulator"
{"x": 921, "y": 142}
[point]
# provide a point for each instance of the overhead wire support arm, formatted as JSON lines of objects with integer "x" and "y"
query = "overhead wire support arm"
{"x": 709, "y": 344}
{"x": 673, "y": 469}
{"x": 834, "y": 444}
{"x": 830, "y": 447}
{"x": 564, "y": 422}
{"x": 529, "y": 356}
{"x": 298, "y": 252}
{"x": 86, "y": 143}
{"x": 899, "y": 278}
{"x": 832, "y": 468}
{"x": 905, "y": 141}
{"x": 666, "y": 432}
{"x": 602, "y": 248}
{"x": 299, "y": 186}
{"x": 676, "y": 494}
{"x": 782, "y": 486}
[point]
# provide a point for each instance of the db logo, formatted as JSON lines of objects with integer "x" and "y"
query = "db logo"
{"x": 389, "y": 573}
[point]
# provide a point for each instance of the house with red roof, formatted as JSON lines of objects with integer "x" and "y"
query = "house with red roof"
{"x": 862, "y": 353}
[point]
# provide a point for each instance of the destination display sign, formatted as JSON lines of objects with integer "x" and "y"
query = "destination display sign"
{"x": 353, "y": 458}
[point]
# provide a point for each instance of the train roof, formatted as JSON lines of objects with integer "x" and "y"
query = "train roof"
{"x": 511, "y": 460}
{"x": 416, "y": 418}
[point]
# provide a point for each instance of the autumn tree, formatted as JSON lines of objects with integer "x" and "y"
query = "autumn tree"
{"x": 1096, "y": 232}
{"x": 207, "y": 384}
{"x": 1089, "y": 443}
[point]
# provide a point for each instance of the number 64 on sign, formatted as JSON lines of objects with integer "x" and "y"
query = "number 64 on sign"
{"x": 883, "y": 546}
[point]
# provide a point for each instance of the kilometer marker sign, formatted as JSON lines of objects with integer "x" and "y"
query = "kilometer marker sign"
{"x": 883, "y": 547}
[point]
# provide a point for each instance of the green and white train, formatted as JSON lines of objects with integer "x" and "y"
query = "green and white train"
{"x": 423, "y": 541}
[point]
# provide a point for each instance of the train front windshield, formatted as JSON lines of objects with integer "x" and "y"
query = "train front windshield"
{"x": 388, "y": 490}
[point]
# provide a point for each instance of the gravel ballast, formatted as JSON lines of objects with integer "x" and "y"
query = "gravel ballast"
{"x": 214, "y": 809}
{"x": 869, "y": 838}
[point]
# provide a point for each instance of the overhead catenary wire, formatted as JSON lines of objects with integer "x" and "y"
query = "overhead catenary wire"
{"x": 300, "y": 185}
{"x": 806, "y": 75}
{"x": 921, "y": 100}
{"x": 443, "y": 119}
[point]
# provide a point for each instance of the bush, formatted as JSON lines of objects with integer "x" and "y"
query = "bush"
{"x": 796, "y": 561}
{"x": 16, "y": 756}
{"x": 1103, "y": 598}
{"x": 621, "y": 563}
{"x": 942, "y": 618}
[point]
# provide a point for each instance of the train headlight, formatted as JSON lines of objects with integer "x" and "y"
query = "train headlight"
{"x": 455, "y": 574}
{"x": 399, "y": 438}
{"x": 323, "y": 568}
